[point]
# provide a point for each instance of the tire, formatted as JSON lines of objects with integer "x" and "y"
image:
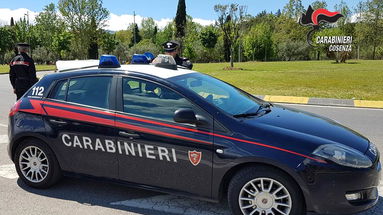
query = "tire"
{"x": 287, "y": 199}
{"x": 36, "y": 164}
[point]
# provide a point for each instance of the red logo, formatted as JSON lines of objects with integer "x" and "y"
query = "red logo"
{"x": 195, "y": 157}
{"x": 315, "y": 17}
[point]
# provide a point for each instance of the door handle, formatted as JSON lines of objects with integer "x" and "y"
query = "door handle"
{"x": 59, "y": 122}
{"x": 128, "y": 134}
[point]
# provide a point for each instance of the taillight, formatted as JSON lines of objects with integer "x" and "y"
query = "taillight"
{"x": 15, "y": 108}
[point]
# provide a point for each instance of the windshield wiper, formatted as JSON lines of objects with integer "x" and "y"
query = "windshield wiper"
{"x": 242, "y": 115}
{"x": 262, "y": 106}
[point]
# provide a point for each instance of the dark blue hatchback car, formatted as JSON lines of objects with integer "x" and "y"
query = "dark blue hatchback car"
{"x": 186, "y": 133}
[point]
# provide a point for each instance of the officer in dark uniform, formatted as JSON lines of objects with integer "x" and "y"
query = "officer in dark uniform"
{"x": 22, "y": 72}
{"x": 171, "y": 48}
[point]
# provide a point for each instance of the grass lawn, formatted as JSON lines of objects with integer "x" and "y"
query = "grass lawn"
{"x": 324, "y": 79}
{"x": 5, "y": 68}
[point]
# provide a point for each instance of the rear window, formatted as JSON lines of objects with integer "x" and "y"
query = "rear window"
{"x": 59, "y": 91}
{"x": 91, "y": 91}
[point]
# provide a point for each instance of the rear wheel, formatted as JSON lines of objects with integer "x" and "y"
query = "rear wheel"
{"x": 36, "y": 164}
{"x": 264, "y": 191}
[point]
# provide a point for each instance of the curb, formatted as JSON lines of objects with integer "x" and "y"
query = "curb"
{"x": 324, "y": 101}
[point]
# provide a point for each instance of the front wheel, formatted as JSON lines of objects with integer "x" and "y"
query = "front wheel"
{"x": 264, "y": 191}
{"x": 36, "y": 164}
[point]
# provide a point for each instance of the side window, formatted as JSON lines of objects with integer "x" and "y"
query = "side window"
{"x": 59, "y": 90}
{"x": 148, "y": 99}
{"x": 92, "y": 91}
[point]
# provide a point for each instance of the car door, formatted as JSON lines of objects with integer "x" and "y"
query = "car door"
{"x": 80, "y": 125}
{"x": 153, "y": 149}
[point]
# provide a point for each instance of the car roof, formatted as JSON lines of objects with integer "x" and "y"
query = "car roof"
{"x": 150, "y": 70}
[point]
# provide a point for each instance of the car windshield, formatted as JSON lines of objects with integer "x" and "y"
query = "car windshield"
{"x": 218, "y": 93}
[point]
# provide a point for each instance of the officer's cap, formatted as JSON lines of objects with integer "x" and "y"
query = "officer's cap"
{"x": 170, "y": 45}
{"x": 24, "y": 45}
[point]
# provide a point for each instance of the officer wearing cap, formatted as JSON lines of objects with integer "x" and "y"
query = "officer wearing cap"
{"x": 171, "y": 48}
{"x": 22, "y": 72}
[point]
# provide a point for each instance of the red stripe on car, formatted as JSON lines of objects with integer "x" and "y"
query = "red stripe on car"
{"x": 62, "y": 113}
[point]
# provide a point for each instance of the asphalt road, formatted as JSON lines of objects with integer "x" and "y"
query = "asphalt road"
{"x": 84, "y": 196}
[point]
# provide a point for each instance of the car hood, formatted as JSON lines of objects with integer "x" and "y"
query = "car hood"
{"x": 299, "y": 123}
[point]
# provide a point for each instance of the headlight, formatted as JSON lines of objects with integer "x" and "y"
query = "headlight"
{"x": 343, "y": 155}
{"x": 373, "y": 149}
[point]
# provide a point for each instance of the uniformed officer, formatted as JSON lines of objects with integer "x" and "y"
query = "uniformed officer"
{"x": 22, "y": 72}
{"x": 171, "y": 48}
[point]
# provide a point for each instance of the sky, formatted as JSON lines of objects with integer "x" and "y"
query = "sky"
{"x": 163, "y": 11}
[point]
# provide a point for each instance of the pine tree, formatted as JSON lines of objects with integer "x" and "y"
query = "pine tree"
{"x": 12, "y": 22}
{"x": 136, "y": 35}
{"x": 180, "y": 19}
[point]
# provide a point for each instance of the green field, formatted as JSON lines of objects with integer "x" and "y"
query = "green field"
{"x": 5, "y": 68}
{"x": 325, "y": 79}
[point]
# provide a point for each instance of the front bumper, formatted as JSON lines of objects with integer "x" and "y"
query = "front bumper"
{"x": 327, "y": 190}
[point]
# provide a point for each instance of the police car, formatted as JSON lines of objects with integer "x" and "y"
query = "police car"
{"x": 178, "y": 131}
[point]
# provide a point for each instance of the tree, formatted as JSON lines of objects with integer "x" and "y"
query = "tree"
{"x": 374, "y": 19}
{"x": 48, "y": 26}
{"x": 124, "y": 37}
{"x": 278, "y": 13}
{"x": 149, "y": 29}
{"x": 25, "y": 32}
{"x": 61, "y": 44}
{"x": 94, "y": 33}
{"x": 6, "y": 42}
{"x": 12, "y": 23}
{"x": 209, "y": 37}
{"x": 22, "y": 33}
{"x": 226, "y": 48}
{"x": 370, "y": 25}
{"x": 191, "y": 40}
{"x": 43, "y": 55}
{"x": 293, "y": 50}
{"x": 84, "y": 18}
{"x": 121, "y": 52}
{"x": 230, "y": 18}
{"x": 136, "y": 38}
{"x": 293, "y": 9}
{"x": 258, "y": 43}
{"x": 180, "y": 19}
{"x": 142, "y": 47}
{"x": 108, "y": 42}
{"x": 345, "y": 11}
{"x": 318, "y": 4}
{"x": 166, "y": 34}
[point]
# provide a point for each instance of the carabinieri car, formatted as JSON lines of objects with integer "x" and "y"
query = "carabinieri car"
{"x": 178, "y": 131}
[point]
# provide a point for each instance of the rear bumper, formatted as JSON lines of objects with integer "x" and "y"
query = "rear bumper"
{"x": 328, "y": 190}
{"x": 10, "y": 135}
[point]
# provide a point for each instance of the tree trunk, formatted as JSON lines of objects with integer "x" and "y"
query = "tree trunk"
{"x": 374, "y": 52}
{"x": 232, "y": 57}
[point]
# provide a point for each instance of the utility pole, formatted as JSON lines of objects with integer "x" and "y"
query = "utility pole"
{"x": 134, "y": 27}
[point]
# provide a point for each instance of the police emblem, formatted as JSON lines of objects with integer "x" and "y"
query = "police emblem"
{"x": 195, "y": 157}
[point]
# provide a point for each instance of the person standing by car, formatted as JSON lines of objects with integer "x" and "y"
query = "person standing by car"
{"x": 171, "y": 48}
{"x": 22, "y": 72}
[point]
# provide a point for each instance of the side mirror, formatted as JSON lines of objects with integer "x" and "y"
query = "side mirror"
{"x": 185, "y": 115}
